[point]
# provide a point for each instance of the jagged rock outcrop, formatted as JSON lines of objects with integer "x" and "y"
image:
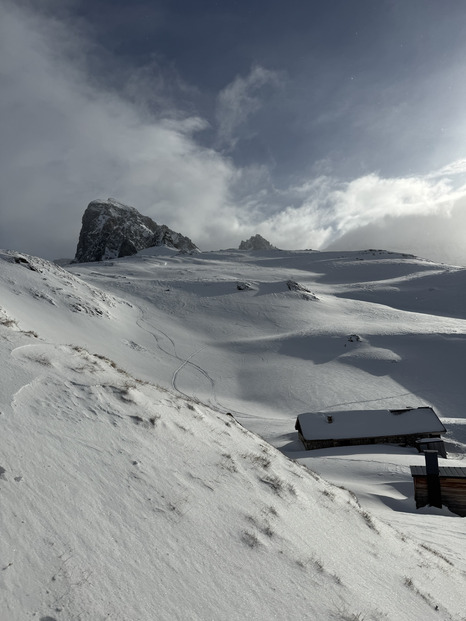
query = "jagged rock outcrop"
{"x": 305, "y": 293}
{"x": 256, "y": 242}
{"x": 111, "y": 229}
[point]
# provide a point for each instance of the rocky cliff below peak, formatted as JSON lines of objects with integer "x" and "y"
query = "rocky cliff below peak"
{"x": 111, "y": 230}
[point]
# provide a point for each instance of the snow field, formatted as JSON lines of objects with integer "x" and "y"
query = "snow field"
{"x": 127, "y": 490}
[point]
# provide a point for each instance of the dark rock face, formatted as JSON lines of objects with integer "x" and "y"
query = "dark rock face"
{"x": 111, "y": 230}
{"x": 256, "y": 242}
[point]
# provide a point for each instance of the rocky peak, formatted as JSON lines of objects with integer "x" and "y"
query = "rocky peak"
{"x": 111, "y": 229}
{"x": 256, "y": 242}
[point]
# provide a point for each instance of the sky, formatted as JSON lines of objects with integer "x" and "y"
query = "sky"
{"x": 328, "y": 124}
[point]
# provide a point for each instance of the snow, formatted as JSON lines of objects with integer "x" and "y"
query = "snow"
{"x": 149, "y": 466}
{"x": 345, "y": 424}
{"x": 444, "y": 471}
{"x": 112, "y": 202}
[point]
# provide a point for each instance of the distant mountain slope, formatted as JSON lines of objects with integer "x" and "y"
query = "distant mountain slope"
{"x": 111, "y": 229}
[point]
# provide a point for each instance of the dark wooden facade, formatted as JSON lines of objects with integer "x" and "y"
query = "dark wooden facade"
{"x": 452, "y": 488}
{"x": 431, "y": 444}
{"x": 405, "y": 440}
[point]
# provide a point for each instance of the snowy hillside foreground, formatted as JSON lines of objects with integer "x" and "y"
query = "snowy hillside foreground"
{"x": 127, "y": 491}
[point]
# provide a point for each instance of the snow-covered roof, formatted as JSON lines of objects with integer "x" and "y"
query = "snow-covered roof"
{"x": 368, "y": 423}
{"x": 453, "y": 472}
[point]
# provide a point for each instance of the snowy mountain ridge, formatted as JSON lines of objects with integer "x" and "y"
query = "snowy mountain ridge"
{"x": 149, "y": 463}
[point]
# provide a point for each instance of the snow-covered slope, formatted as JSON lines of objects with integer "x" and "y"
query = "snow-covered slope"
{"x": 127, "y": 489}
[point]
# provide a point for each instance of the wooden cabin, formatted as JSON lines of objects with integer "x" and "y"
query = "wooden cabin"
{"x": 405, "y": 426}
{"x": 439, "y": 486}
{"x": 431, "y": 444}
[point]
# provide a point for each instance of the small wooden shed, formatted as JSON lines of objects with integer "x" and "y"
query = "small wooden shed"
{"x": 405, "y": 426}
{"x": 437, "y": 486}
{"x": 431, "y": 444}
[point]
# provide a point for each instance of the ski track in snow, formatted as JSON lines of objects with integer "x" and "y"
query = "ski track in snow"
{"x": 156, "y": 332}
{"x": 186, "y": 363}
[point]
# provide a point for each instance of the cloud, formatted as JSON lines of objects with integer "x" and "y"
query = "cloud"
{"x": 239, "y": 100}
{"x": 457, "y": 167}
{"x": 434, "y": 236}
{"x": 420, "y": 215}
{"x": 68, "y": 140}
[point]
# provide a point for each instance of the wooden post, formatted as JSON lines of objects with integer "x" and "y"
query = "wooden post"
{"x": 434, "y": 494}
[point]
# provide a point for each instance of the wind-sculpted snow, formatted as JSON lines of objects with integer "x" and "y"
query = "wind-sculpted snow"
{"x": 142, "y": 465}
{"x": 134, "y": 500}
{"x": 52, "y": 285}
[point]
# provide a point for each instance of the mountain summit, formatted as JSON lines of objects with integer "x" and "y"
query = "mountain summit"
{"x": 256, "y": 242}
{"x": 111, "y": 229}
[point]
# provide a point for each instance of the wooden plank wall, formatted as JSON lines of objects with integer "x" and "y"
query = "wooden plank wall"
{"x": 453, "y": 492}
